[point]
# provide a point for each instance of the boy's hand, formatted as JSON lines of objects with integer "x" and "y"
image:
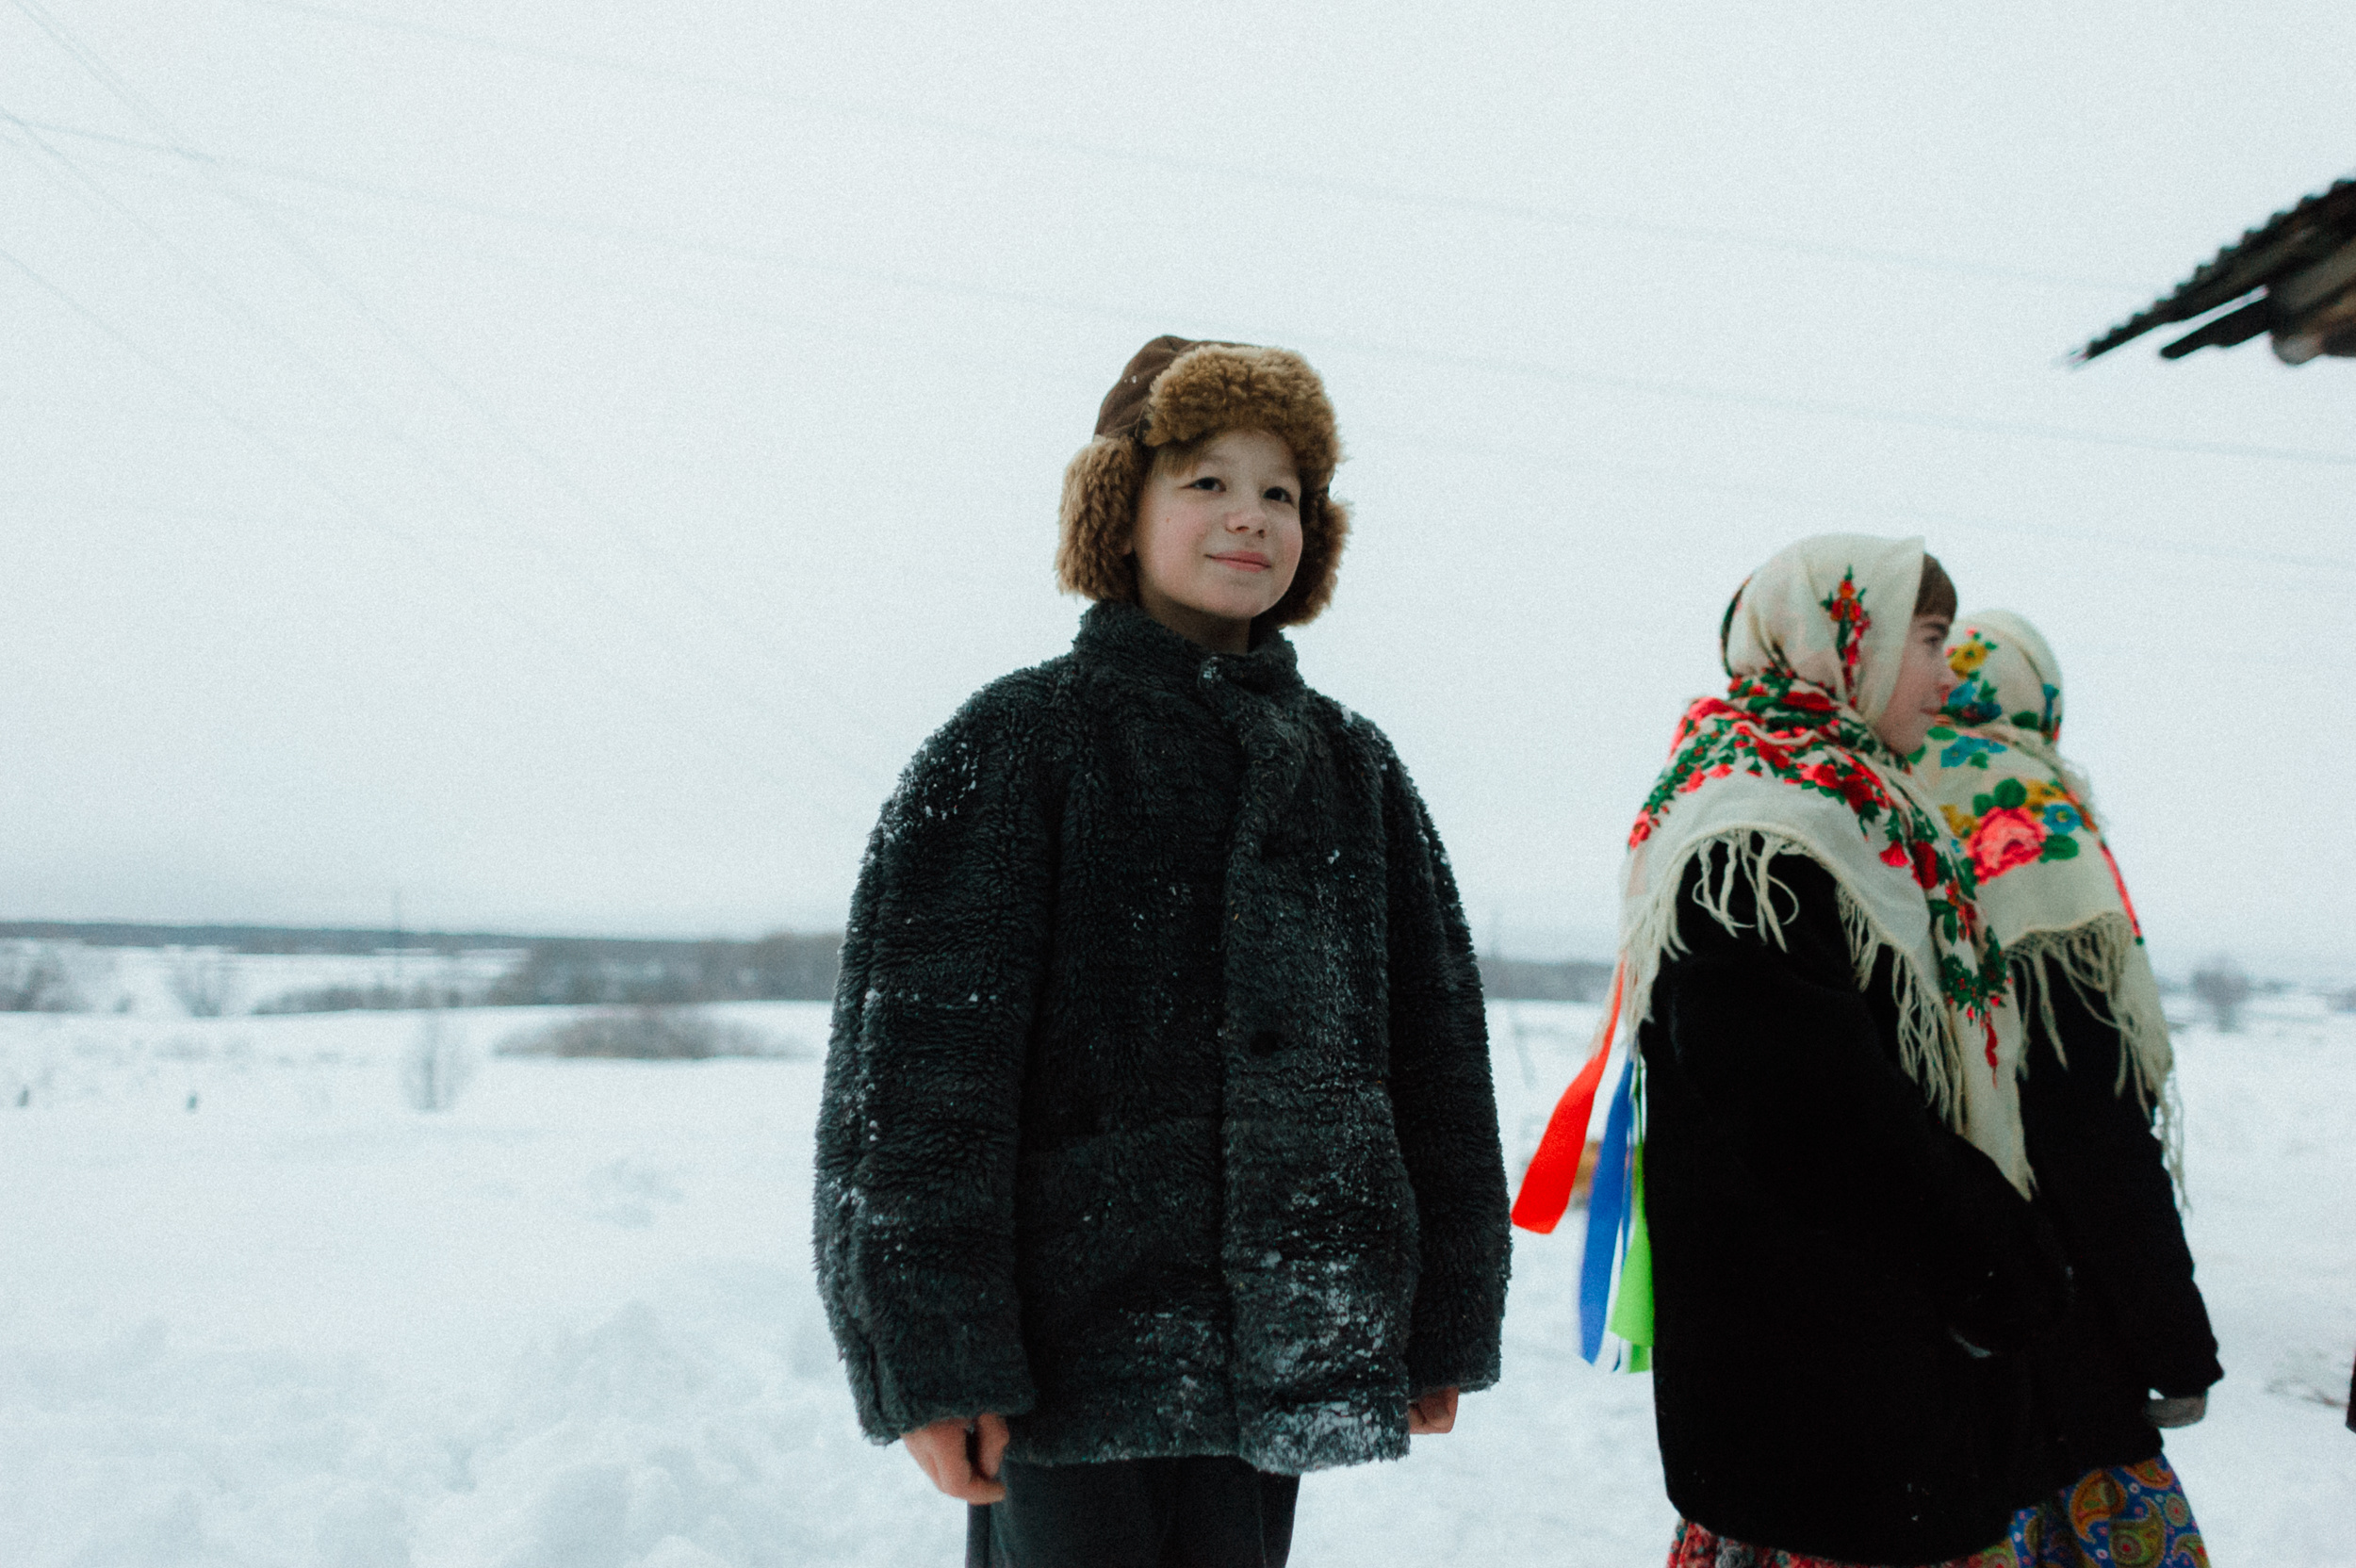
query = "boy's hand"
{"x": 1433, "y": 1413}
{"x": 961, "y": 1457}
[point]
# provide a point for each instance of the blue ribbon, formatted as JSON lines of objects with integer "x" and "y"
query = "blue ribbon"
{"x": 1607, "y": 1216}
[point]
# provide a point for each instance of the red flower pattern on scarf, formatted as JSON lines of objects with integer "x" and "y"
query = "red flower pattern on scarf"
{"x": 1850, "y": 623}
{"x": 2008, "y": 836}
{"x": 1778, "y": 727}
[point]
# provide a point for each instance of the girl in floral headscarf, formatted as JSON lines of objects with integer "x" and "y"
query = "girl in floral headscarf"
{"x": 2134, "y": 1352}
{"x": 1827, "y": 1170}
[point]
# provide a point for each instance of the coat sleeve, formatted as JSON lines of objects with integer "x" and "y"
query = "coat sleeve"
{"x": 2102, "y": 1167}
{"x": 917, "y": 1128}
{"x": 1782, "y": 1050}
{"x": 1443, "y": 1104}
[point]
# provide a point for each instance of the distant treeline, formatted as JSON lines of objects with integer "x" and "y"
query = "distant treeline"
{"x": 792, "y": 967}
{"x": 779, "y": 968}
{"x": 593, "y": 970}
{"x": 355, "y": 942}
{"x": 1528, "y": 980}
{"x": 620, "y": 971}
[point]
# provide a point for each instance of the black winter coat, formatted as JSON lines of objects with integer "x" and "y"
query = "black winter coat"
{"x": 1831, "y": 1265}
{"x": 1158, "y": 1113}
{"x": 2137, "y": 1325}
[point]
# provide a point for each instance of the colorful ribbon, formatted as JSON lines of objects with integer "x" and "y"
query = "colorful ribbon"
{"x": 1615, "y": 1270}
{"x": 1546, "y": 1194}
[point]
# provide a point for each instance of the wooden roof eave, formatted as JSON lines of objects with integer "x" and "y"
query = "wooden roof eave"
{"x": 2313, "y": 231}
{"x": 2301, "y": 311}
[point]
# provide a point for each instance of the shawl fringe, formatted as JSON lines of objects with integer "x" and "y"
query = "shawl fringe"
{"x": 1928, "y": 1051}
{"x": 2104, "y": 962}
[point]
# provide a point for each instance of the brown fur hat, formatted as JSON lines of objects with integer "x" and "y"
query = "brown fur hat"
{"x": 1179, "y": 390}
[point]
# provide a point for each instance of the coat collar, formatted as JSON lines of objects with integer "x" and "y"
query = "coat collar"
{"x": 1126, "y": 636}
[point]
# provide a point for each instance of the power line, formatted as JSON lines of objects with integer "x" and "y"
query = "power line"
{"x": 1491, "y": 365}
{"x": 218, "y": 293}
{"x": 662, "y": 239}
{"x": 1861, "y": 413}
{"x": 1682, "y": 480}
{"x": 1361, "y": 191}
{"x": 296, "y": 174}
{"x": 1671, "y": 478}
{"x": 229, "y": 416}
{"x": 640, "y": 545}
{"x": 667, "y": 703}
{"x": 224, "y": 299}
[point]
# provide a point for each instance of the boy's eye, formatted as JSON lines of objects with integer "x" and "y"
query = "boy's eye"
{"x": 1205, "y": 483}
{"x": 1278, "y": 493}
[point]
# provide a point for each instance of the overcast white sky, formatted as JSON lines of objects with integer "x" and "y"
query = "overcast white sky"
{"x": 558, "y": 460}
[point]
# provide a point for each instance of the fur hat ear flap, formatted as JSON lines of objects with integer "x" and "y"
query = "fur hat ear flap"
{"x": 1097, "y": 519}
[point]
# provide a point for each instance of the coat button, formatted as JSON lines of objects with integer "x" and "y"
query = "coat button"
{"x": 1267, "y": 1042}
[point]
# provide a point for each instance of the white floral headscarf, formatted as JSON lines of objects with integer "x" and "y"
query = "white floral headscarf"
{"x": 2048, "y": 881}
{"x": 1787, "y": 761}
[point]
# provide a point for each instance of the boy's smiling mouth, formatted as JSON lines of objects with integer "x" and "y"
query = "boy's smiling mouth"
{"x": 1249, "y": 560}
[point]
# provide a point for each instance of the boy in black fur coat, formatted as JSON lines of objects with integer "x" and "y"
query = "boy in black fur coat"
{"x": 1158, "y": 1162}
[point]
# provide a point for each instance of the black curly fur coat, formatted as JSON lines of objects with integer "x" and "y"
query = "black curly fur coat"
{"x": 1157, "y": 1112}
{"x": 1831, "y": 1264}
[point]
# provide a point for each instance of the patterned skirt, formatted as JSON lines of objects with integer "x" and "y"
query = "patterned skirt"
{"x": 1696, "y": 1548}
{"x": 2129, "y": 1516}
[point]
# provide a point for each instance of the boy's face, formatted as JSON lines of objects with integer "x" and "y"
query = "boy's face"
{"x": 1218, "y": 538}
{"x": 1924, "y": 684}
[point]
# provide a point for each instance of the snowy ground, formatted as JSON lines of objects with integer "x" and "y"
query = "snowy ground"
{"x": 570, "y": 1322}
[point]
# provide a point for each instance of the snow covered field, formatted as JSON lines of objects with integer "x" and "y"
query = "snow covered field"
{"x": 570, "y": 1322}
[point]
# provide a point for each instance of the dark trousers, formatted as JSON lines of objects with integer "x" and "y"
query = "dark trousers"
{"x": 1201, "y": 1512}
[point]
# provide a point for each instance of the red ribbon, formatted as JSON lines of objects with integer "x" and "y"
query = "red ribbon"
{"x": 1546, "y": 1194}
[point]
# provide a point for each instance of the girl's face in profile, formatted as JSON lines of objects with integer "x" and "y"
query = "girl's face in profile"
{"x": 1925, "y": 683}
